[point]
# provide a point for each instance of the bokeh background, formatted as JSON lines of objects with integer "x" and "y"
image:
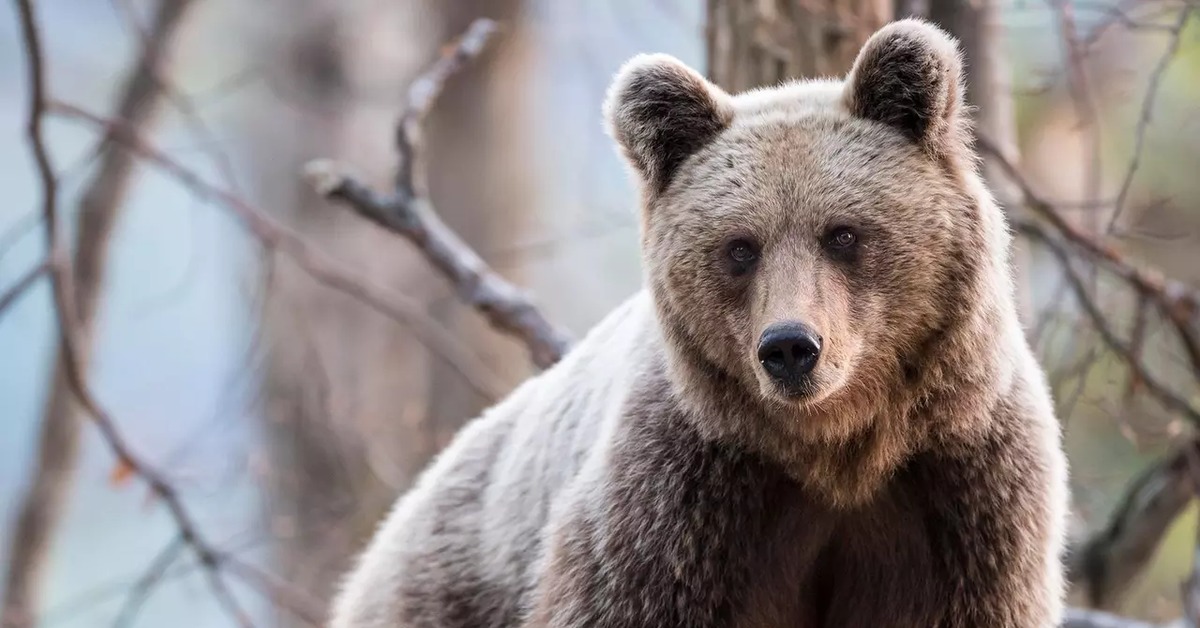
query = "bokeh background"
{"x": 287, "y": 416}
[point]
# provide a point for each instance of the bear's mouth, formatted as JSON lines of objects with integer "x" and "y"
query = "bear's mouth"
{"x": 796, "y": 391}
{"x": 806, "y": 393}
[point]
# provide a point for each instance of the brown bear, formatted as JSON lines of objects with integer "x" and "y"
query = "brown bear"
{"x": 821, "y": 412}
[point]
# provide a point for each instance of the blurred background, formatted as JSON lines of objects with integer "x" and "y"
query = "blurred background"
{"x": 261, "y": 418}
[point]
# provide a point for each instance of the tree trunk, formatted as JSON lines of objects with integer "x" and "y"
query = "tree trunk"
{"x": 58, "y": 450}
{"x": 752, "y": 43}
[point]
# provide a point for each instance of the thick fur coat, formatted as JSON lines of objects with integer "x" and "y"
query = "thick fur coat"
{"x": 667, "y": 473}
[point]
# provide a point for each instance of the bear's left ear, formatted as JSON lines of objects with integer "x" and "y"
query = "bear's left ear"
{"x": 909, "y": 76}
{"x": 661, "y": 112}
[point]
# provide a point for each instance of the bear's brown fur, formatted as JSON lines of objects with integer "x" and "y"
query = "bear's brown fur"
{"x": 903, "y": 470}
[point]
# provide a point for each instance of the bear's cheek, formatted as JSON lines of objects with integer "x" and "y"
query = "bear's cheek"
{"x": 707, "y": 303}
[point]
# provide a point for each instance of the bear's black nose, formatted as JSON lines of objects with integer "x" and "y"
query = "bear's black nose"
{"x": 789, "y": 351}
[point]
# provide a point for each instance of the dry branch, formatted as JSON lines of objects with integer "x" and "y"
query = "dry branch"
{"x": 277, "y": 237}
{"x": 1124, "y": 350}
{"x": 100, "y": 206}
{"x": 1173, "y": 296}
{"x": 181, "y": 102}
{"x": 71, "y": 339}
{"x": 1177, "y": 301}
{"x": 504, "y": 305}
{"x": 1147, "y": 111}
{"x": 1190, "y": 588}
{"x": 145, "y": 585}
{"x": 1108, "y": 563}
{"x": 23, "y": 283}
{"x": 409, "y": 212}
{"x": 424, "y": 92}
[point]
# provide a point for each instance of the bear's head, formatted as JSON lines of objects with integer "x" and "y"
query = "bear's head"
{"x": 822, "y": 254}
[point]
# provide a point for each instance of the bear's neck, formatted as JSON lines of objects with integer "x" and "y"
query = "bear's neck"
{"x": 944, "y": 392}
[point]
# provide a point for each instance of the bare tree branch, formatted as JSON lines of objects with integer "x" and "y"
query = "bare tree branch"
{"x": 275, "y": 236}
{"x": 1107, "y": 564}
{"x": 410, "y": 213}
{"x": 423, "y": 94}
{"x": 184, "y": 105}
{"x": 21, "y": 612}
{"x": 146, "y": 584}
{"x": 1109, "y": 561}
{"x": 50, "y": 482}
{"x": 506, "y": 307}
{"x": 1127, "y": 353}
{"x": 22, "y": 284}
{"x": 1177, "y": 301}
{"x": 18, "y": 230}
{"x": 1143, "y": 123}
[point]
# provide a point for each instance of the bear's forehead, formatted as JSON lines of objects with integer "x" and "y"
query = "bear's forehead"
{"x": 811, "y": 155}
{"x": 804, "y": 171}
{"x": 820, "y": 142}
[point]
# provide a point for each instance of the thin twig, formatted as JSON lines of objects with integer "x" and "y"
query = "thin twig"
{"x": 20, "y": 594}
{"x": 424, "y": 92}
{"x": 1137, "y": 342}
{"x": 1147, "y": 111}
{"x": 410, "y": 213}
{"x": 19, "y": 228}
{"x": 203, "y": 133}
{"x": 279, "y": 592}
{"x": 22, "y": 284}
{"x": 140, "y": 592}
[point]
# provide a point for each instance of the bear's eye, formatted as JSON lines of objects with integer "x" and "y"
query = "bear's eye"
{"x": 742, "y": 254}
{"x": 841, "y": 244}
{"x": 842, "y": 238}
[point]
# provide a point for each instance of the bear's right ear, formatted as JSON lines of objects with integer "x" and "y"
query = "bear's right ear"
{"x": 661, "y": 112}
{"x": 909, "y": 76}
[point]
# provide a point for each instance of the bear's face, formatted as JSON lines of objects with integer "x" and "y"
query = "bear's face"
{"x": 805, "y": 240}
{"x": 794, "y": 253}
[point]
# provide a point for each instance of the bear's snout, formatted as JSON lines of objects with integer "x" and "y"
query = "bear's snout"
{"x": 788, "y": 352}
